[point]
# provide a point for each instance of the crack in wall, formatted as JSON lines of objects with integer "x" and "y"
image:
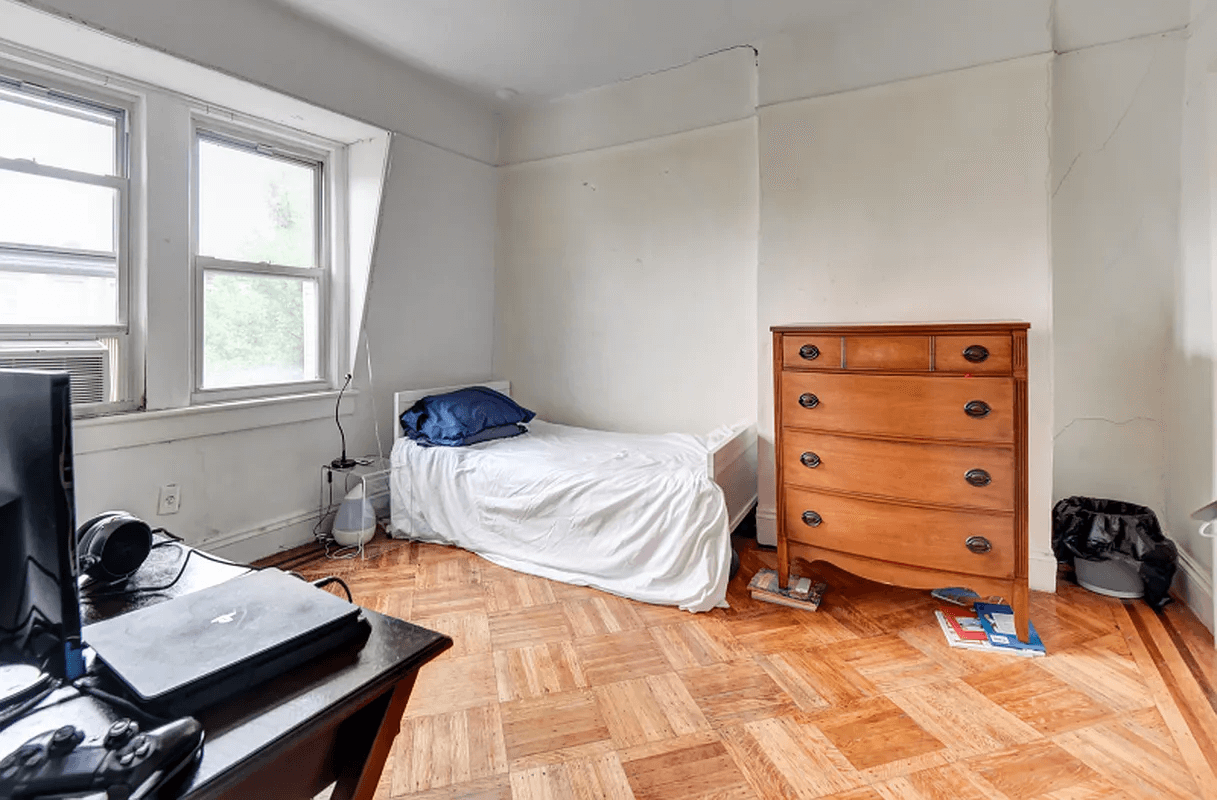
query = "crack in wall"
{"x": 1117, "y": 423}
{"x": 1066, "y": 175}
{"x": 756, "y": 55}
{"x": 1132, "y": 102}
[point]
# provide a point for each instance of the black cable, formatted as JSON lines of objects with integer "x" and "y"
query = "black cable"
{"x": 21, "y": 695}
{"x": 190, "y": 551}
{"x": 321, "y": 584}
{"x": 82, "y": 686}
{"x": 13, "y": 713}
{"x": 168, "y": 533}
{"x": 41, "y": 689}
{"x": 135, "y": 711}
{"x": 225, "y": 561}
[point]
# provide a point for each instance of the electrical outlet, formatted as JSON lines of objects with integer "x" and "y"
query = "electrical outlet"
{"x": 170, "y": 499}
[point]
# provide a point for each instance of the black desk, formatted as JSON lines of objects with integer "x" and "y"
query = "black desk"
{"x": 332, "y": 720}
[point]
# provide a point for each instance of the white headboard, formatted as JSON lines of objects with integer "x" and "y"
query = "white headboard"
{"x": 403, "y": 400}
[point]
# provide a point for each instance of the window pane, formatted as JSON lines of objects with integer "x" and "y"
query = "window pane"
{"x": 258, "y": 329}
{"x": 70, "y": 138}
{"x": 28, "y": 298}
{"x": 48, "y": 212}
{"x": 256, "y": 208}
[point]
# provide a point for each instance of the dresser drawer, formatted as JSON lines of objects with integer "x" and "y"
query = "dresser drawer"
{"x": 811, "y": 352}
{"x": 888, "y": 352}
{"x": 981, "y": 477}
{"x": 987, "y": 354}
{"x": 929, "y": 538}
{"x": 937, "y": 407}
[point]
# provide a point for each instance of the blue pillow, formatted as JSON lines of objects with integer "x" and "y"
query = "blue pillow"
{"x": 497, "y": 432}
{"x": 456, "y": 418}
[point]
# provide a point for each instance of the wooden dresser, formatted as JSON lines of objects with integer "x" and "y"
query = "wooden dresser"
{"x": 902, "y": 453}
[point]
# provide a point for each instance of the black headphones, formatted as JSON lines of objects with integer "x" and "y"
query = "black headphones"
{"x": 111, "y": 546}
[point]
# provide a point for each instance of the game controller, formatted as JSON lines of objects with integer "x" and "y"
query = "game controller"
{"x": 128, "y": 764}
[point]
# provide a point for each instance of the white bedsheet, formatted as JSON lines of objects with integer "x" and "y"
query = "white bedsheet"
{"x": 635, "y": 515}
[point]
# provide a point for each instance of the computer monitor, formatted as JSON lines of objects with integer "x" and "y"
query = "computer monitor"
{"x": 39, "y": 601}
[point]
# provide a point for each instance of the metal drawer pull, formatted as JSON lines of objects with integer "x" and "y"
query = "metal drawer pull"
{"x": 812, "y": 519}
{"x": 978, "y": 544}
{"x": 808, "y": 400}
{"x": 976, "y": 353}
{"x": 809, "y": 352}
{"x": 977, "y": 409}
{"x": 810, "y": 460}
{"x": 977, "y": 477}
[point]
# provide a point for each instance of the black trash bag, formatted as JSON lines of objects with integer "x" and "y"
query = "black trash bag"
{"x": 1093, "y": 529}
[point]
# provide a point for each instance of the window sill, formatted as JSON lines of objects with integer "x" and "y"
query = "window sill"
{"x": 140, "y": 428}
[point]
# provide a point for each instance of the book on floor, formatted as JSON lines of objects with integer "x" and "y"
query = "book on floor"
{"x": 801, "y": 593}
{"x": 998, "y": 622}
{"x": 960, "y": 596}
{"x": 965, "y": 624}
{"x": 954, "y": 639}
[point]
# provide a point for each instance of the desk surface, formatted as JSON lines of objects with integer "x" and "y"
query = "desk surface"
{"x": 255, "y": 727}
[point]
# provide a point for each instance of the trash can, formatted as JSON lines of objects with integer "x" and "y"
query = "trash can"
{"x": 1115, "y": 548}
{"x": 1115, "y": 576}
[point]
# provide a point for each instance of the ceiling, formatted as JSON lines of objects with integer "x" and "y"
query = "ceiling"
{"x": 536, "y": 49}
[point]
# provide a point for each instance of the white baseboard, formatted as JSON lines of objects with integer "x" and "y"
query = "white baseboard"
{"x": 1193, "y": 585}
{"x": 264, "y": 540}
{"x": 766, "y": 527}
{"x": 1041, "y": 572}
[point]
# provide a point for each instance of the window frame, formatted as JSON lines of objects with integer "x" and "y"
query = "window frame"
{"x": 270, "y": 140}
{"x": 57, "y": 87}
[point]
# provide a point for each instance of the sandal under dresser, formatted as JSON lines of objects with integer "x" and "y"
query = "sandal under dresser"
{"x": 902, "y": 453}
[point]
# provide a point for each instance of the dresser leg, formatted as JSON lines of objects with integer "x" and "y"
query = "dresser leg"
{"x": 783, "y": 563}
{"x": 1019, "y": 602}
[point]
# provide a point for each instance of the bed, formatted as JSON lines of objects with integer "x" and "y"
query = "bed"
{"x": 642, "y": 516}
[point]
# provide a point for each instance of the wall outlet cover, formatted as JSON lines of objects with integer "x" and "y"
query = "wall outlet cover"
{"x": 169, "y": 500}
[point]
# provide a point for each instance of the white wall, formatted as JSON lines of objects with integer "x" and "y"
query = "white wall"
{"x": 1133, "y": 289}
{"x": 1086, "y": 23}
{"x": 888, "y": 42}
{"x": 920, "y": 200}
{"x": 1192, "y": 388}
{"x": 626, "y": 273}
{"x": 430, "y": 315}
{"x": 254, "y": 488}
{"x": 1115, "y": 216}
{"x": 715, "y": 89}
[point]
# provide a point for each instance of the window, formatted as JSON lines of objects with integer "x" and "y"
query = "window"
{"x": 64, "y": 195}
{"x": 177, "y": 238}
{"x": 261, "y": 265}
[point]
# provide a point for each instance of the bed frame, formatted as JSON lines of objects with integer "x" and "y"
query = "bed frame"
{"x": 732, "y": 465}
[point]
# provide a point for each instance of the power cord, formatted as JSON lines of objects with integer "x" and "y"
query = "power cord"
{"x": 142, "y": 714}
{"x": 82, "y": 686}
{"x": 324, "y": 582}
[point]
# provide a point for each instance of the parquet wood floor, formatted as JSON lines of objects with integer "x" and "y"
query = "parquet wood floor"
{"x": 556, "y": 691}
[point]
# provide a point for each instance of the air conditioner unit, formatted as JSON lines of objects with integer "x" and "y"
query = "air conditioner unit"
{"x": 88, "y": 364}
